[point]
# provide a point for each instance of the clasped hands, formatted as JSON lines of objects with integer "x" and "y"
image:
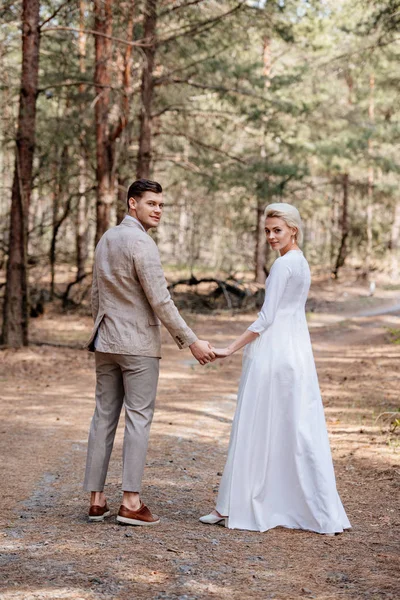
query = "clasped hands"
{"x": 205, "y": 353}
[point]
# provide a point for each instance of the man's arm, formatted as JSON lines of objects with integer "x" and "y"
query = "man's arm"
{"x": 151, "y": 276}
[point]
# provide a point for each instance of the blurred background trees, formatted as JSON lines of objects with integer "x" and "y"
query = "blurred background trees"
{"x": 229, "y": 104}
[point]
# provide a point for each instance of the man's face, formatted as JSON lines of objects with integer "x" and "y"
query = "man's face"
{"x": 147, "y": 209}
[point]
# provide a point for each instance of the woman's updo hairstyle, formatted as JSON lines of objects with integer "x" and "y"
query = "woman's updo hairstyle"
{"x": 289, "y": 214}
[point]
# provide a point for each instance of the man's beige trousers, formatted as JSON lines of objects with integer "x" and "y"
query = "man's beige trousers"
{"x": 121, "y": 379}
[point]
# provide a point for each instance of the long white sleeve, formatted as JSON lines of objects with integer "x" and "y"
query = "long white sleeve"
{"x": 274, "y": 289}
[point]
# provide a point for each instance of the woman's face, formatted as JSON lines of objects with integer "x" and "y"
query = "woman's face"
{"x": 279, "y": 234}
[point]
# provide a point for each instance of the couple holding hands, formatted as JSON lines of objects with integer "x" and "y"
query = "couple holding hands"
{"x": 279, "y": 469}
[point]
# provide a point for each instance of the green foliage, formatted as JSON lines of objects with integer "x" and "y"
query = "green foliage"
{"x": 394, "y": 335}
{"x": 254, "y": 102}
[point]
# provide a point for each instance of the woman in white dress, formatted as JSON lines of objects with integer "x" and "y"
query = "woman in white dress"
{"x": 279, "y": 469}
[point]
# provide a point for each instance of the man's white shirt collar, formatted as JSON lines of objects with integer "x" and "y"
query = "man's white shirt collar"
{"x": 136, "y": 221}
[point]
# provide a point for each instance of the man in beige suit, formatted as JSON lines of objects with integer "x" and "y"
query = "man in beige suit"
{"x": 130, "y": 299}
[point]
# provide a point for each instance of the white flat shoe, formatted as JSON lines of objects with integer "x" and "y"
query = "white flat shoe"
{"x": 213, "y": 520}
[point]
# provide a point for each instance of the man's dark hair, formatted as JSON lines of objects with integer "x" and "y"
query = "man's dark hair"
{"x": 140, "y": 186}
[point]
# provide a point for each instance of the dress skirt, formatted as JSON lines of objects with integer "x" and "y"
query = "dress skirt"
{"x": 279, "y": 469}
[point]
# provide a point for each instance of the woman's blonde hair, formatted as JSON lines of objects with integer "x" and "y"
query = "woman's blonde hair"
{"x": 289, "y": 214}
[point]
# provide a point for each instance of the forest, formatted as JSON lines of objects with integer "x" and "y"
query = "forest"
{"x": 229, "y": 104}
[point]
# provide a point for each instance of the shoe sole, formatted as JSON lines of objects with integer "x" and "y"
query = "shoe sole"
{"x": 100, "y": 517}
{"x": 127, "y": 521}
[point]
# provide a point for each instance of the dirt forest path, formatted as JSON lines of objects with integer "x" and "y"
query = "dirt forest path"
{"x": 49, "y": 551}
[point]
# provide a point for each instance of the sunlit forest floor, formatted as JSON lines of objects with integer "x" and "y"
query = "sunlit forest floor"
{"x": 49, "y": 551}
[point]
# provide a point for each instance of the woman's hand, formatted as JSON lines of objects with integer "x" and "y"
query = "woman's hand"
{"x": 246, "y": 338}
{"x": 221, "y": 352}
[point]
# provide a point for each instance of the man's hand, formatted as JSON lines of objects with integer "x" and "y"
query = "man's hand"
{"x": 202, "y": 351}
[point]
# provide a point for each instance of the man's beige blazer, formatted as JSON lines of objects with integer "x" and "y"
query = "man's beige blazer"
{"x": 130, "y": 295}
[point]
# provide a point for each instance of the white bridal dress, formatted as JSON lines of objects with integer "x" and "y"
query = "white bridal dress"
{"x": 279, "y": 469}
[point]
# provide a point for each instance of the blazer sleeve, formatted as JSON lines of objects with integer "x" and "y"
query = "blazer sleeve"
{"x": 95, "y": 293}
{"x": 274, "y": 289}
{"x": 151, "y": 276}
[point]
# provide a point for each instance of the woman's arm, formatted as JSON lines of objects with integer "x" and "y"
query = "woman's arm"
{"x": 243, "y": 340}
{"x": 276, "y": 284}
{"x": 274, "y": 290}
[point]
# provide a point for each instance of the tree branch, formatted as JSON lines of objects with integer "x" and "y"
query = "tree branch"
{"x": 199, "y": 27}
{"x": 163, "y": 78}
{"x": 170, "y": 108}
{"x": 217, "y": 88}
{"x": 181, "y": 163}
{"x": 69, "y": 83}
{"x": 55, "y": 13}
{"x": 138, "y": 44}
{"x": 196, "y": 142}
{"x": 179, "y": 6}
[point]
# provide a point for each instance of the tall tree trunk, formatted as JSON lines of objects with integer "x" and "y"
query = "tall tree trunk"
{"x": 125, "y": 127}
{"x": 102, "y": 80}
{"x": 147, "y": 91}
{"x": 344, "y": 227}
{"x": 261, "y": 245}
{"x": 106, "y": 135}
{"x": 15, "y": 312}
{"x": 82, "y": 209}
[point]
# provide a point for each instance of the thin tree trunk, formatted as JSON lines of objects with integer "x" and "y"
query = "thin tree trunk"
{"x": 127, "y": 68}
{"x": 267, "y": 62}
{"x": 147, "y": 91}
{"x": 395, "y": 241}
{"x": 53, "y": 245}
{"x": 370, "y": 196}
{"x": 60, "y": 191}
{"x": 334, "y": 222}
{"x": 7, "y": 125}
{"x": 81, "y": 217}
{"x": 183, "y": 227}
{"x": 54, "y": 231}
{"x": 15, "y": 312}
{"x": 82, "y": 209}
{"x": 370, "y": 214}
{"x": 261, "y": 242}
{"x": 102, "y": 80}
{"x": 261, "y": 245}
{"x": 344, "y": 227}
{"x": 121, "y": 200}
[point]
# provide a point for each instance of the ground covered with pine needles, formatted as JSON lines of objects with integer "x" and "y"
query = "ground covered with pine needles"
{"x": 49, "y": 551}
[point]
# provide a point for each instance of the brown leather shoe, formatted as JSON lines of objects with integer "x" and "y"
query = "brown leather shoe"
{"x": 142, "y": 516}
{"x": 97, "y": 513}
